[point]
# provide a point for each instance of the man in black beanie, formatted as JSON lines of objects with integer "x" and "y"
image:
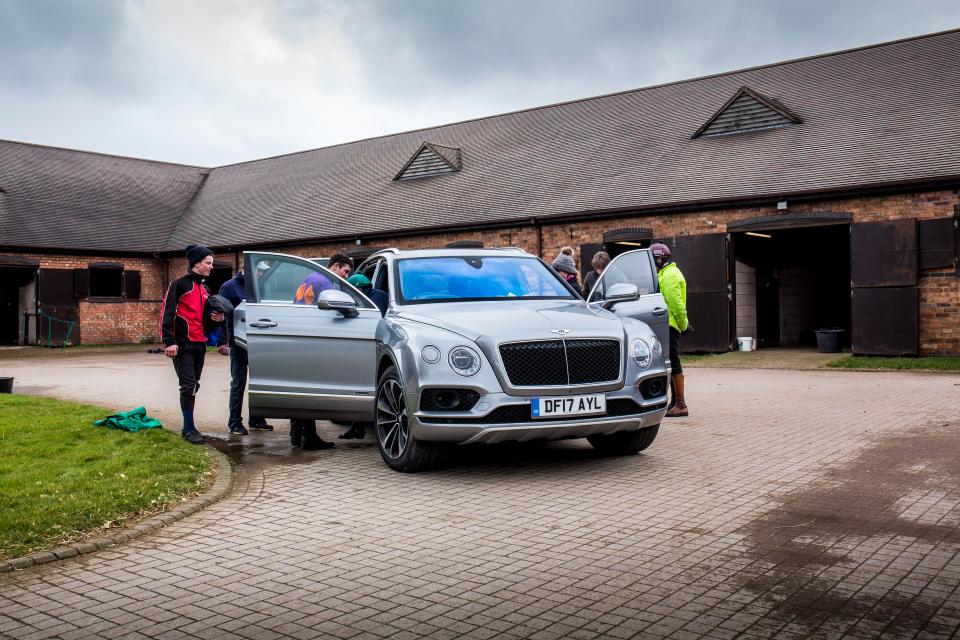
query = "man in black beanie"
{"x": 185, "y": 318}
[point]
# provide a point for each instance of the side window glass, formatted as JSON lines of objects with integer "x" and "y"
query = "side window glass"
{"x": 369, "y": 269}
{"x": 633, "y": 268}
{"x": 290, "y": 280}
{"x": 382, "y": 281}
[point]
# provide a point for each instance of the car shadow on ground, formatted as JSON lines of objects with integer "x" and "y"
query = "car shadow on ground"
{"x": 273, "y": 448}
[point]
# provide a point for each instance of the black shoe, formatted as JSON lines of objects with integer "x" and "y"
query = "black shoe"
{"x": 239, "y": 430}
{"x": 355, "y": 432}
{"x": 194, "y": 437}
{"x": 313, "y": 442}
{"x": 260, "y": 425}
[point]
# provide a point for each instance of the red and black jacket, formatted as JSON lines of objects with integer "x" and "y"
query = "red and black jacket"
{"x": 184, "y": 316}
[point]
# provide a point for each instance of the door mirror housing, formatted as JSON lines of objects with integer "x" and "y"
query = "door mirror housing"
{"x": 338, "y": 301}
{"x": 621, "y": 292}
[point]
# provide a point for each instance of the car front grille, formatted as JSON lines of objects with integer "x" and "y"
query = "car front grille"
{"x": 561, "y": 362}
{"x": 521, "y": 413}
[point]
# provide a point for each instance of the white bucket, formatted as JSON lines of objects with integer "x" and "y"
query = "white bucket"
{"x": 745, "y": 343}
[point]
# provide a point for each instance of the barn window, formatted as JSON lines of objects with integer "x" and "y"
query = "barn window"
{"x": 430, "y": 160}
{"x": 106, "y": 280}
{"x": 746, "y": 111}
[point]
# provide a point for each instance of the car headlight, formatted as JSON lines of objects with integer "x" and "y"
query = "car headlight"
{"x": 430, "y": 354}
{"x": 640, "y": 353}
{"x": 464, "y": 361}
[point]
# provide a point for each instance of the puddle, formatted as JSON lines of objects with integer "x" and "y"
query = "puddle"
{"x": 261, "y": 449}
{"x": 825, "y": 541}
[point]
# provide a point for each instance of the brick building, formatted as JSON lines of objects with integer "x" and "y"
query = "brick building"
{"x": 821, "y": 192}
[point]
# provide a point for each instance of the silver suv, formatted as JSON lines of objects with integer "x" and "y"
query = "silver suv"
{"x": 476, "y": 345}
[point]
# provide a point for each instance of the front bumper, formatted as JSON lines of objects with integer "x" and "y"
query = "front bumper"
{"x": 627, "y": 411}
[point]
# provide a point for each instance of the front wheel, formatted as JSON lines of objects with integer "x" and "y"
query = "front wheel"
{"x": 624, "y": 443}
{"x": 399, "y": 449}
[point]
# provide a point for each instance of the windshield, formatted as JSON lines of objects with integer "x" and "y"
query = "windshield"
{"x": 456, "y": 279}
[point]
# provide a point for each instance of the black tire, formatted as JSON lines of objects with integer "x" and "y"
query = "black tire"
{"x": 398, "y": 448}
{"x": 624, "y": 443}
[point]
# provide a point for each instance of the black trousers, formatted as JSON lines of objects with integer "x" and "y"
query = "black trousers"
{"x": 189, "y": 365}
{"x": 238, "y": 382}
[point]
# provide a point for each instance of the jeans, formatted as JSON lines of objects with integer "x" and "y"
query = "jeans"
{"x": 239, "y": 364}
{"x": 238, "y": 382}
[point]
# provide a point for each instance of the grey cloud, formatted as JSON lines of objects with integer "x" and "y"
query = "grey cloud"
{"x": 50, "y": 43}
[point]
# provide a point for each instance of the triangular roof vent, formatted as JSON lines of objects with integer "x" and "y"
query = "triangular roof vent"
{"x": 431, "y": 160}
{"x": 747, "y": 110}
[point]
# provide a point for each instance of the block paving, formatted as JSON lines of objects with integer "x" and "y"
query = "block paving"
{"x": 791, "y": 504}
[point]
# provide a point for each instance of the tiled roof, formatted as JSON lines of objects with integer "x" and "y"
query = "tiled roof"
{"x": 874, "y": 116}
{"x": 60, "y": 198}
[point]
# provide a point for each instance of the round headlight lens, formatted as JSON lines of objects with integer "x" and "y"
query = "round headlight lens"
{"x": 464, "y": 361}
{"x": 640, "y": 353}
{"x": 430, "y": 354}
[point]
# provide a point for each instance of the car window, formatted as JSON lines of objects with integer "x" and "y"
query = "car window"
{"x": 368, "y": 269}
{"x": 382, "y": 281}
{"x": 460, "y": 278}
{"x": 291, "y": 280}
{"x": 634, "y": 268}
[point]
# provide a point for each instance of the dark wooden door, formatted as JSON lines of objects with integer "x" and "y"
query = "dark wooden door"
{"x": 704, "y": 261}
{"x": 884, "y": 272}
{"x": 59, "y": 309}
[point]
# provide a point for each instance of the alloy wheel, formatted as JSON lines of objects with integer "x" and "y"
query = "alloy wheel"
{"x": 393, "y": 429}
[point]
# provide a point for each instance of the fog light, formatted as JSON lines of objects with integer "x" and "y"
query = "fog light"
{"x": 653, "y": 387}
{"x": 448, "y": 399}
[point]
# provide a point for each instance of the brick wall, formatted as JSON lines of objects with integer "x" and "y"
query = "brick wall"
{"x": 107, "y": 322}
{"x": 939, "y": 292}
{"x": 940, "y": 312}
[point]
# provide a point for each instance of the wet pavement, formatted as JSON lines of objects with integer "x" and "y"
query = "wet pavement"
{"x": 791, "y": 504}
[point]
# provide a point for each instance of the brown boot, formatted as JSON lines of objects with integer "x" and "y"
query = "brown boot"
{"x": 678, "y": 410}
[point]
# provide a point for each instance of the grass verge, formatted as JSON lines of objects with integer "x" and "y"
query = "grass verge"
{"x": 63, "y": 479}
{"x": 925, "y": 363}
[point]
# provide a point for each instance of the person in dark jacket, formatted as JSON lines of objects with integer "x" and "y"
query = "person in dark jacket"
{"x": 567, "y": 268}
{"x": 185, "y": 318}
{"x": 599, "y": 262}
{"x": 234, "y": 290}
{"x": 377, "y": 297}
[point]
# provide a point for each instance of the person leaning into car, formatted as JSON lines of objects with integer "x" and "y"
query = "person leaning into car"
{"x": 185, "y": 318}
{"x": 234, "y": 290}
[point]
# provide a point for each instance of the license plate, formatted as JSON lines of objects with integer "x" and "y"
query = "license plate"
{"x": 568, "y": 406}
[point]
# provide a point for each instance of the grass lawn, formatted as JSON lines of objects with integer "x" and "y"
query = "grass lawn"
{"x": 926, "y": 363}
{"x": 63, "y": 479}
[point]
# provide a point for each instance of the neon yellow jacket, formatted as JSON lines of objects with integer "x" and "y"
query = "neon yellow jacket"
{"x": 673, "y": 287}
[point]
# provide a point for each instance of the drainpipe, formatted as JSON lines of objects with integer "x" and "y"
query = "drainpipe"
{"x": 539, "y": 230}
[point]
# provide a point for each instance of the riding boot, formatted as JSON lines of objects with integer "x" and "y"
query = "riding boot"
{"x": 296, "y": 433}
{"x": 309, "y": 440}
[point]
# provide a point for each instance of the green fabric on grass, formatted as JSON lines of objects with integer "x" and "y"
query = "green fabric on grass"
{"x": 133, "y": 420}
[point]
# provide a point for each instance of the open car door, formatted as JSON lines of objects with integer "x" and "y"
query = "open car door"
{"x": 636, "y": 268}
{"x": 306, "y": 361}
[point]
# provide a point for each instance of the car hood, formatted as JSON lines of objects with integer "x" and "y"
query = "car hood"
{"x": 517, "y": 320}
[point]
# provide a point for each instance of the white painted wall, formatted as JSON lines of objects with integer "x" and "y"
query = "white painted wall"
{"x": 746, "y": 285}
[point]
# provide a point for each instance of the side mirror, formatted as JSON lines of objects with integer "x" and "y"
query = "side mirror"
{"x": 338, "y": 301}
{"x": 621, "y": 292}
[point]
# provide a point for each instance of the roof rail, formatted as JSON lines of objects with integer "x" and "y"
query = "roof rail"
{"x": 520, "y": 249}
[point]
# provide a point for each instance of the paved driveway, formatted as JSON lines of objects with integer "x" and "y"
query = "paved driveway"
{"x": 790, "y": 504}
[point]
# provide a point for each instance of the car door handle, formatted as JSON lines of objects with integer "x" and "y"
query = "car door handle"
{"x": 659, "y": 311}
{"x": 263, "y": 324}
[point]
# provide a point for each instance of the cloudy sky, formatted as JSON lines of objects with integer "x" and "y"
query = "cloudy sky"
{"x": 211, "y": 82}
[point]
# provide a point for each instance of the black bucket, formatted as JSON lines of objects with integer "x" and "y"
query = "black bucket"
{"x": 830, "y": 340}
{"x": 6, "y": 385}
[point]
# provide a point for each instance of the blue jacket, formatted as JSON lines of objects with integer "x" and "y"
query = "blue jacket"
{"x": 235, "y": 291}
